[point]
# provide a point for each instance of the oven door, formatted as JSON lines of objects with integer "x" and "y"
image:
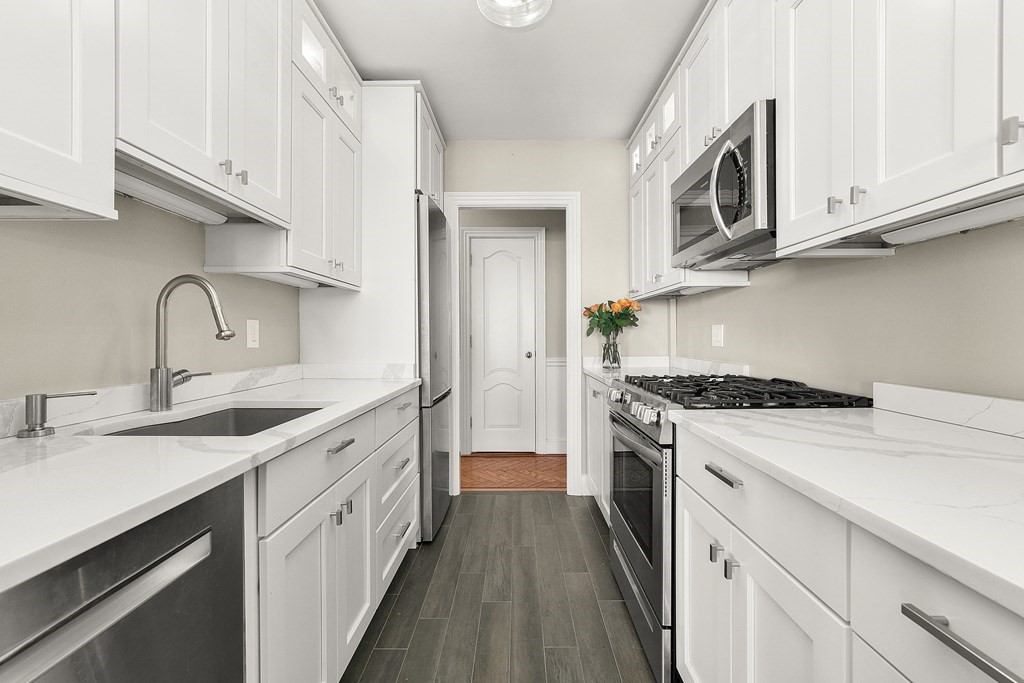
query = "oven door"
{"x": 641, "y": 512}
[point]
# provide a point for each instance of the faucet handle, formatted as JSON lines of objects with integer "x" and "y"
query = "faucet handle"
{"x": 183, "y": 376}
{"x": 35, "y": 413}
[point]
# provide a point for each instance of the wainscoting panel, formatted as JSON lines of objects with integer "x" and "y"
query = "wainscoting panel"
{"x": 556, "y": 408}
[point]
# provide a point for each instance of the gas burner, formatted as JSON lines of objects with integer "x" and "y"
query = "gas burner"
{"x": 738, "y": 391}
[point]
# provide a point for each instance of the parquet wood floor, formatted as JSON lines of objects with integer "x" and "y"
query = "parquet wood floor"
{"x": 512, "y": 472}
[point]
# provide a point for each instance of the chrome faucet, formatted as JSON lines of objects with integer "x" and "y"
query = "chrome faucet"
{"x": 162, "y": 379}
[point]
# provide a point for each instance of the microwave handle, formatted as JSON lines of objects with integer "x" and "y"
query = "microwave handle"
{"x": 716, "y": 169}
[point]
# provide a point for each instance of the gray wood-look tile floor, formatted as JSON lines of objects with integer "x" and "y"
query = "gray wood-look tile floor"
{"x": 516, "y": 587}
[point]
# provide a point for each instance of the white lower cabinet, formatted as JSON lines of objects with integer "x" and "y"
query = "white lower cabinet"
{"x": 598, "y": 445}
{"x": 354, "y": 497}
{"x": 396, "y": 534}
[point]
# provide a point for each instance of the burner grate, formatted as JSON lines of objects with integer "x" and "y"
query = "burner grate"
{"x": 739, "y": 391}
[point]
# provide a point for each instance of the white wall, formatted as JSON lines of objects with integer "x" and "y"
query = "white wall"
{"x": 598, "y": 169}
{"x": 79, "y": 297}
{"x": 946, "y": 314}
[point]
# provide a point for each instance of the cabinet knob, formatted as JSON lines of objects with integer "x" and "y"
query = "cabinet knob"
{"x": 347, "y": 506}
{"x": 1011, "y": 130}
{"x": 243, "y": 176}
{"x": 333, "y": 92}
{"x": 855, "y": 192}
{"x": 403, "y": 530}
{"x": 832, "y": 204}
{"x": 341, "y": 100}
{"x": 730, "y": 568}
{"x": 707, "y": 140}
{"x": 403, "y": 463}
{"x": 227, "y": 166}
{"x": 716, "y": 550}
{"x": 338, "y": 516}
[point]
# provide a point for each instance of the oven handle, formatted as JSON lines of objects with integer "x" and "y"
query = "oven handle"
{"x": 716, "y": 170}
{"x": 651, "y": 455}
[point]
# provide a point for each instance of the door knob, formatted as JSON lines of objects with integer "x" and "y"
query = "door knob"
{"x": 529, "y": 354}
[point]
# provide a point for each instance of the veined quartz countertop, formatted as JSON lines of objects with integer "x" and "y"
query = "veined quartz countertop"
{"x": 63, "y": 494}
{"x": 949, "y": 495}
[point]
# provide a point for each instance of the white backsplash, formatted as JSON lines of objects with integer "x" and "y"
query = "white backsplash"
{"x": 998, "y": 415}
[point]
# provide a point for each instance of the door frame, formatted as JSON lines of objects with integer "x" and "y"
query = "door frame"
{"x": 540, "y": 354}
{"x": 571, "y": 203}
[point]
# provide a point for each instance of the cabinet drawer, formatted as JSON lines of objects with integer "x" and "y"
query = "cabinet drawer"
{"x": 291, "y": 480}
{"x": 397, "y": 413}
{"x": 884, "y": 579}
{"x": 398, "y": 533}
{"x": 802, "y": 536}
{"x": 398, "y": 462}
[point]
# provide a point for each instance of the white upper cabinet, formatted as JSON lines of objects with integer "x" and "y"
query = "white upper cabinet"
{"x": 346, "y": 206}
{"x": 259, "y": 141}
{"x": 926, "y": 101}
{"x": 670, "y": 109}
{"x": 652, "y": 188}
{"x": 319, "y": 59}
{"x": 429, "y": 153}
{"x": 57, "y": 111}
{"x": 636, "y": 164}
{"x": 650, "y": 138}
{"x": 814, "y": 132}
{"x": 1013, "y": 87}
{"x": 173, "y": 83}
{"x": 700, "y": 88}
{"x": 311, "y": 238}
{"x": 749, "y": 55}
{"x": 349, "y": 98}
{"x": 637, "y": 246}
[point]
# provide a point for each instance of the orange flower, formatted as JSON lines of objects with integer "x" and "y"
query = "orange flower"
{"x": 586, "y": 312}
{"x": 595, "y": 308}
{"x": 624, "y": 302}
{"x": 634, "y": 305}
{"x": 616, "y": 307}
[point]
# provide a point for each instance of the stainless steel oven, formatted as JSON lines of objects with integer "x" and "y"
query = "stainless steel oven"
{"x": 641, "y": 517}
{"x": 723, "y": 205}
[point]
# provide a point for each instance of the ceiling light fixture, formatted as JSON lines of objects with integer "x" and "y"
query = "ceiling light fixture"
{"x": 514, "y": 13}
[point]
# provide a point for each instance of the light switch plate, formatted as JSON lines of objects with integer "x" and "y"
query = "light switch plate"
{"x": 718, "y": 335}
{"x": 252, "y": 334}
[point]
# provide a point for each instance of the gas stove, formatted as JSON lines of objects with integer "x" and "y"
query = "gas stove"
{"x": 647, "y": 398}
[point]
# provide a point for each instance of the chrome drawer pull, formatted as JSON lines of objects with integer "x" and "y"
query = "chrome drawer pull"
{"x": 730, "y": 568}
{"x": 724, "y": 476}
{"x": 402, "y": 464}
{"x": 404, "y": 405}
{"x": 938, "y": 627}
{"x": 403, "y": 531}
{"x": 334, "y": 450}
{"x": 716, "y": 550}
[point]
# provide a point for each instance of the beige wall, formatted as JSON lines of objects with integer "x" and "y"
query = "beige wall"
{"x": 598, "y": 169}
{"x": 945, "y": 314}
{"x": 78, "y": 300}
{"x": 554, "y": 261}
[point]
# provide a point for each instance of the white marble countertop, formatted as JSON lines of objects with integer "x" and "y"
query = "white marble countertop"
{"x": 949, "y": 495}
{"x": 608, "y": 376}
{"x": 63, "y": 494}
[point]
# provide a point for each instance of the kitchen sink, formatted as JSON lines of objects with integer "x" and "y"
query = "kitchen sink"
{"x": 229, "y": 422}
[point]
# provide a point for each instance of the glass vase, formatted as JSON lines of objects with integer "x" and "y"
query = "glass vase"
{"x": 610, "y": 358}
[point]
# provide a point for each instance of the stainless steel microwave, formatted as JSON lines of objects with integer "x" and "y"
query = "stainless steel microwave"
{"x": 723, "y": 205}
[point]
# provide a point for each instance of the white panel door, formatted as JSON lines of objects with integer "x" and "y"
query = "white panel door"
{"x": 259, "y": 141}
{"x": 637, "y": 248}
{"x": 1013, "y": 86}
{"x": 57, "y": 111}
{"x": 653, "y": 227}
{"x": 313, "y": 126}
{"x": 814, "y": 145}
{"x": 172, "y": 65}
{"x": 703, "y": 594}
{"x": 297, "y": 594}
{"x": 699, "y": 85}
{"x": 355, "y": 539}
{"x": 781, "y": 631}
{"x": 926, "y": 100}
{"x": 748, "y": 28}
{"x": 503, "y": 345}
{"x": 346, "y": 205}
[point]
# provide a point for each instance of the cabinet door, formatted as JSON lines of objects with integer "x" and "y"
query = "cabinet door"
{"x": 313, "y": 51}
{"x": 671, "y": 162}
{"x": 348, "y": 97}
{"x": 636, "y": 164}
{"x": 345, "y": 214}
{"x": 173, "y": 83}
{"x": 814, "y": 146}
{"x": 653, "y": 227}
{"x": 918, "y": 137}
{"x": 748, "y": 28}
{"x": 1013, "y": 86}
{"x": 597, "y": 415}
{"x": 699, "y": 85}
{"x": 781, "y": 631}
{"x": 353, "y": 576}
{"x": 650, "y": 137}
{"x": 260, "y": 135}
{"x": 670, "y": 109}
{"x": 869, "y": 667}
{"x": 637, "y": 257}
{"x": 436, "y": 167}
{"x": 57, "y": 112}
{"x": 313, "y": 125}
{"x": 703, "y": 594}
{"x": 297, "y": 591}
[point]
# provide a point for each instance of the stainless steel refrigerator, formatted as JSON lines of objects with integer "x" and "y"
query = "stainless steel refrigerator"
{"x": 435, "y": 363}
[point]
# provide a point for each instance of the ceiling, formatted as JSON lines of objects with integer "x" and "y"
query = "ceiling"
{"x": 587, "y": 70}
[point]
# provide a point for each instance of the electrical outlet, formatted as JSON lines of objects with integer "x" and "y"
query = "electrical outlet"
{"x": 718, "y": 335}
{"x": 252, "y": 334}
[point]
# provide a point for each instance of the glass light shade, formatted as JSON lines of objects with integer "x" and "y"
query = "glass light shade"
{"x": 514, "y": 13}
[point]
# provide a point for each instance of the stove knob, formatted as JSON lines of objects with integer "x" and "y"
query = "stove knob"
{"x": 635, "y": 408}
{"x": 653, "y": 418}
{"x": 615, "y": 395}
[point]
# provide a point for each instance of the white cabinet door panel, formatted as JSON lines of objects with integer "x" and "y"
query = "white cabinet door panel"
{"x": 814, "y": 146}
{"x": 260, "y": 137}
{"x": 312, "y": 131}
{"x": 353, "y": 575}
{"x": 653, "y": 227}
{"x": 173, "y": 82}
{"x": 1013, "y": 81}
{"x": 670, "y": 109}
{"x": 636, "y": 165}
{"x": 57, "y": 111}
{"x": 637, "y": 248}
{"x": 925, "y": 101}
{"x": 699, "y": 88}
{"x": 346, "y": 205}
{"x": 651, "y": 137}
{"x": 748, "y": 28}
{"x": 671, "y": 162}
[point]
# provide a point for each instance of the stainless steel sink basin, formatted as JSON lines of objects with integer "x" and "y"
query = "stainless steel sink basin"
{"x": 230, "y": 422}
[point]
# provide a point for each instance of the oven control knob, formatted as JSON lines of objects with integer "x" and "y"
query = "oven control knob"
{"x": 653, "y": 418}
{"x": 615, "y": 395}
{"x": 635, "y": 408}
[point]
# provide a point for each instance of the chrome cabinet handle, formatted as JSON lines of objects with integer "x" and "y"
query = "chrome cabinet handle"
{"x": 707, "y": 140}
{"x": 348, "y": 506}
{"x": 337, "y": 264}
{"x": 832, "y": 204}
{"x": 716, "y": 550}
{"x": 1011, "y": 130}
{"x": 402, "y": 464}
{"x": 720, "y": 474}
{"x": 715, "y": 132}
{"x": 855, "y": 192}
{"x": 938, "y": 627}
{"x": 405, "y": 529}
{"x": 334, "y": 450}
{"x": 595, "y": 393}
{"x": 405, "y": 405}
{"x": 636, "y": 166}
{"x": 341, "y": 100}
{"x": 730, "y": 568}
{"x": 227, "y": 166}
{"x": 243, "y": 176}
{"x": 338, "y": 516}
{"x": 333, "y": 91}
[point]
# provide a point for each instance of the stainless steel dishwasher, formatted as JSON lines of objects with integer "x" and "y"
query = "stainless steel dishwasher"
{"x": 161, "y": 602}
